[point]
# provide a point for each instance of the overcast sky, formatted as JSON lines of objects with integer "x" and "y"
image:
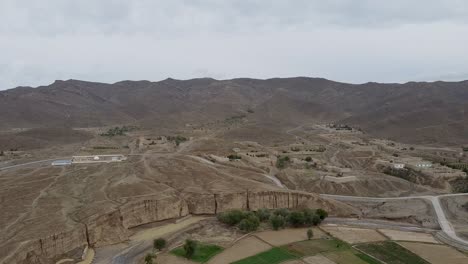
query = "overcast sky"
{"x": 345, "y": 40}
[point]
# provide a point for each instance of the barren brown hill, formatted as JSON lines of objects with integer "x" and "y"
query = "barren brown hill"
{"x": 411, "y": 112}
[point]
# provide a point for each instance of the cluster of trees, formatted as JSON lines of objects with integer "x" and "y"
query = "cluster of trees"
{"x": 177, "y": 139}
{"x": 234, "y": 157}
{"x": 282, "y": 162}
{"x": 280, "y": 218}
{"x": 118, "y": 131}
{"x": 245, "y": 220}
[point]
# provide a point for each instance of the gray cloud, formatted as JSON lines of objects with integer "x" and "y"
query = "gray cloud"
{"x": 345, "y": 40}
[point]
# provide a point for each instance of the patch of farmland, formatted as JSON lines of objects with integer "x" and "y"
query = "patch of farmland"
{"x": 287, "y": 236}
{"x": 354, "y": 235}
{"x": 409, "y": 236}
{"x": 242, "y": 249}
{"x": 436, "y": 254}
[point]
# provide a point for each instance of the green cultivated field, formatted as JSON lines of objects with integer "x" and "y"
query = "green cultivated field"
{"x": 334, "y": 249}
{"x": 391, "y": 253}
{"x": 203, "y": 253}
{"x": 272, "y": 256}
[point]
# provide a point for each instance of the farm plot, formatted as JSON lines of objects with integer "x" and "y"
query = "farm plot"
{"x": 318, "y": 259}
{"x": 409, "y": 236}
{"x": 326, "y": 251}
{"x": 391, "y": 253}
{"x": 272, "y": 256}
{"x": 436, "y": 254}
{"x": 287, "y": 236}
{"x": 354, "y": 235}
{"x": 243, "y": 248}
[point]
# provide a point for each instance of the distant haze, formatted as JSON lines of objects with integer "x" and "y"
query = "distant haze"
{"x": 345, "y": 40}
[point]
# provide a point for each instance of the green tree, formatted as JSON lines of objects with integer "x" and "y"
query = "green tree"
{"x": 281, "y": 162}
{"x": 159, "y": 244}
{"x": 308, "y": 216}
{"x": 296, "y": 219}
{"x": 316, "y": 220}
{"x": 249, "y": 224}
{"x": 189, "y": 247}
{"x": 263, "y": 214}
{"x": 282, "y": 212}
{"x": 231, "y": 217}
{"x": 310, "y": 234}
{"x": 149, "y": 259}
{"x": 308, "y": 159}
{"x": 322, "y": 213}
{"x": 277, "y": 222}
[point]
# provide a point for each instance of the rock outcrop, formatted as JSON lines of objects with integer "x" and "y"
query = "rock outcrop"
{"x": 113, "y": 226}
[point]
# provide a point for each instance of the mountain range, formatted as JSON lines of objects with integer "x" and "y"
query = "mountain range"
{"x": 413, "y": 112}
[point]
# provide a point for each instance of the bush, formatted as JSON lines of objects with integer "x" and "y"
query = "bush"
{"x": 282, "y": 162}
{"x": 316, "y": 220}
{"x": 234, "y": 157}
{"x": 277, "y": 222}
{"x": 159, "y": 243}
{"x": 310, "y": 234}
{"x": 149, "y": 259}
{"x": 308, "y": 159}
{"x": 232, "y": 217}
{"x": 189, "y": 247}
{"x": 263, "y": 214}
{"x": 249, "y": 224}
{"x": 176, "y": 139}
{"x": 321, "y": 213}
{"x": 296, "y": 219}
{"x": 309, "y": 215}
{"x": 282, "y": 212}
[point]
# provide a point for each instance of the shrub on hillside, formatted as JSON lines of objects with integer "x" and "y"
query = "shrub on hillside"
{"x": 263, "y": 214}
{"x": 282, "y": 162}
{"x": 277, "y": 222}
{"x": 249, "y": 224}
{"x": 231, "y": 217}
{"x": 296, "y": 219}
{"x": 321, "y": 213}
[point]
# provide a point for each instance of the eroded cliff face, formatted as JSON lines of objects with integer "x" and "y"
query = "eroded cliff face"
{"x": 151, "y": 210}
{"x": 113, "y": 226}
{"x": 44, "y": 250}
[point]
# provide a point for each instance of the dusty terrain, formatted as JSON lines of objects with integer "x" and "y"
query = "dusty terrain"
{"x": 259, "y": 154}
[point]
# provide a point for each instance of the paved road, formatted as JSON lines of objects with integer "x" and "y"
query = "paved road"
{"x": 445, "y": 225}
{"x": 32, "y": 163}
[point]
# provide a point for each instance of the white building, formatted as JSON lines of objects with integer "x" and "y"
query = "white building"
{"x": 61, "y": 162}
{"x": 398, "y": 165}
{"x": 424, "y": 165}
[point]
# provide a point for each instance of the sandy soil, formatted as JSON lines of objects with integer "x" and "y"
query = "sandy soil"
{"x": 409, "y": 236}
{"x": 354, "y": 235}
{"x": 436, "y": 254}
{"x": 318, "y": 259}
{"x": 167, "y": 258}
{"x": 160, "y": 231}
{"x": 287, "y": 236}
{"x": 244, "y": 248}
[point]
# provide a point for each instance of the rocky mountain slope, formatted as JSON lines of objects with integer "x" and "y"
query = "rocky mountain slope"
{"x": 412, "y": 112}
